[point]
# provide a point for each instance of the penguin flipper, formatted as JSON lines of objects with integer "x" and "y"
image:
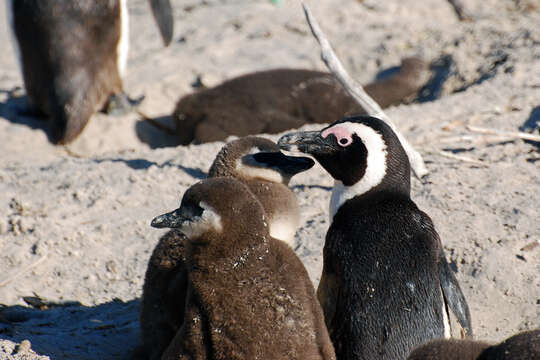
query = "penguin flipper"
{"x": 453, "y": 296}
{"x": 162, "y": 11}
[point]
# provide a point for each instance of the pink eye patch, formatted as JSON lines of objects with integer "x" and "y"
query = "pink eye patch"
{"x": 344, "y": 138}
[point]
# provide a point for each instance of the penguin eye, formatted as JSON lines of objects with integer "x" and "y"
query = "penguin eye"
{"x": 343, "y": 136}
{"x": 344, "y": 141}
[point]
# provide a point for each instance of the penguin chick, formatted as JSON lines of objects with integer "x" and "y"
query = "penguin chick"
{"x": 448, "y": 349}
{"x": 277, "y": 100}
{"x": 73, "y": 55}
{"x": 249, "y": 296}
{"x": 522, "y": 346}
{"x": 258, "y": 163}
{"x": 386, "y": 286}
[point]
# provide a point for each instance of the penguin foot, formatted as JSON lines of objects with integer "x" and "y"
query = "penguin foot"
{"x": 121, "y": 104}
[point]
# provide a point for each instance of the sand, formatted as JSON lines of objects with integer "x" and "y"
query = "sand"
{"x": 74, "y": 222}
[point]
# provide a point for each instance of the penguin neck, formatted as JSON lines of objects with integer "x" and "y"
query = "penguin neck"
{"x": 342, "y": 193}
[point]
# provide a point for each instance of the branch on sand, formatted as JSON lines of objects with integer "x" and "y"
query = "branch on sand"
{"x": 459, "y": 9}
{"x": 507, "y": 134}
{"x": 357, "y": 91}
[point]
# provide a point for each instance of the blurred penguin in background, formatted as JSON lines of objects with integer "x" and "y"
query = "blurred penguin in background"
{"x": 73, "y": 57}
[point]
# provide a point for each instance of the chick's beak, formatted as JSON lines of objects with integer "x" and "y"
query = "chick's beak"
{"x": 173, "y": 219}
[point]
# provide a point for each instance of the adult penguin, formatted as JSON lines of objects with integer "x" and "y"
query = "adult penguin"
{"x": 386, "y": 286}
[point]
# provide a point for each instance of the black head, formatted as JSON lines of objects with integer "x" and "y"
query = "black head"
{"x": 358, "y": 151}
{"x": 255, "y": 157}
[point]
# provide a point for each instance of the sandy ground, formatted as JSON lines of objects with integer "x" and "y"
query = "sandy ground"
{"x": 74, "y": 230}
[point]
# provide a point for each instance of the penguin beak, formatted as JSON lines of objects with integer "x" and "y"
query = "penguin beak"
{"x": 290, "y": 165}
{"x": 162, "y": 11}
{"x": 308, "y": 142}
{"x": 173, "y": 219}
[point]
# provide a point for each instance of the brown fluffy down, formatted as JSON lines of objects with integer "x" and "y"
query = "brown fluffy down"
{"x": 165, "y": 283}
{"x": 249, "y": 295}
{"x": 522, "y": 346}
{"x": 277, "y": 100}
{"x": 263, "y": 309}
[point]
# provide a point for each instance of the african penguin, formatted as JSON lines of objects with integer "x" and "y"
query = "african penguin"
{"x": 258, "y": 163}
{"x": 522, "y": 346}
{"x": 249, "y": 296}
{"x": 277, "y": 100}
{"x": 386, "y": 286}
{"x": 73, "y": 56}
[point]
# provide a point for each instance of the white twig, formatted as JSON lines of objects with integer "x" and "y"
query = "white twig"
{"x": 357, "y": 91}
{"x": 476, "y": 139}
{"x": 461, "y": 158}
{"x": 20, "y": 272}
{"x": 509, "y": 134}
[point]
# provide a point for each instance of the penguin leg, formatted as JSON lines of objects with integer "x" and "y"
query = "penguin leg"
{"x": 121, "y": 104}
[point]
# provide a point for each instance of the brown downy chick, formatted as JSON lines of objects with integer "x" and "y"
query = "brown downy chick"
{"x": 277, "y": 100}
{"x": 522, "y": 346}
{"x": 448, "y": 349}
{"x": 259, "y": 164}
{"x": 249, "y": 296}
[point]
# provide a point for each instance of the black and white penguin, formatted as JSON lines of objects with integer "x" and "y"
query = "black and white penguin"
{"x": 258, "y": 163}
{"x": 73, "y": 56}
{"x": 386, "y": 286}
{"x": 522, "y": 346}
{"x": 249, "y": 296}
{"x": 278, "y": 100}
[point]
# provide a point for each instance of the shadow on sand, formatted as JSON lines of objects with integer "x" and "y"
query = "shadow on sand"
{"x": 17, "y": 110}
{"x": 74, "y": 331}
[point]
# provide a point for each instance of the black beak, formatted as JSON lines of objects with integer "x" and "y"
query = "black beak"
{"x": 290, "y": 165}
{"x": 308, "y": 142}
{"x": 173, "y": 219}
{"x": 162, "y": 11}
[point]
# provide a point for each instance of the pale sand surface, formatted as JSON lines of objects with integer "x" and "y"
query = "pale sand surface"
{"x": 76, "y": 228}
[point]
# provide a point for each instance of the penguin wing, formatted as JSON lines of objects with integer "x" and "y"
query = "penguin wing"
{"x": 162, "y": 11}
{"x": 453, "y": 297}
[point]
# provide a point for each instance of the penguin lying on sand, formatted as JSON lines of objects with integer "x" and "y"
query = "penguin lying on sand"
{"x": 258, "y": 163}
{"x": 249, "y": 296}
{"x": 522, "y": 346}
{"x": 73, "y": 55}
{"x": 386, "y": 286}
{"x": 278, "y": 100}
